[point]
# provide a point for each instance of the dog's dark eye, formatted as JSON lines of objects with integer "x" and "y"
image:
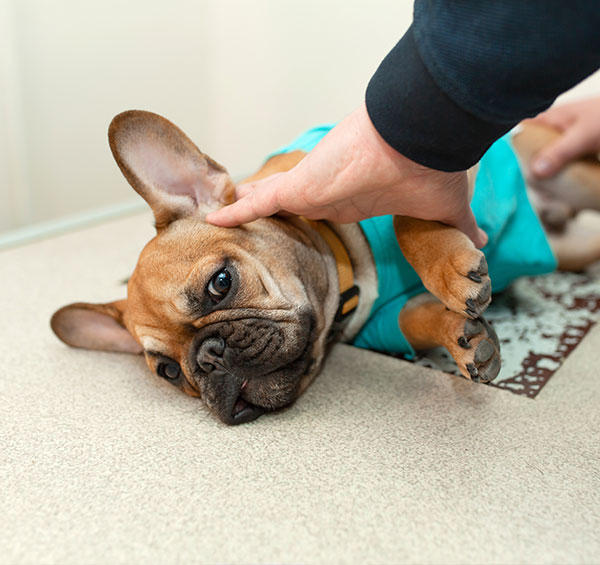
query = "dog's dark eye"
{"x": 170, "y": 371}
{"x": 219, "y": 285}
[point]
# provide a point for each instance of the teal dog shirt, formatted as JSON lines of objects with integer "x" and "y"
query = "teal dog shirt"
{"x": 517, "y": 245}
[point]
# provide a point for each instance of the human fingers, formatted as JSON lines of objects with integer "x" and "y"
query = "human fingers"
{"x": 569, "y": 146}
{"x": 257, "y": 203}
{"x": 246, "y": 188}
{"x": 559, "y": 117}
{"x": 242, "y": 190}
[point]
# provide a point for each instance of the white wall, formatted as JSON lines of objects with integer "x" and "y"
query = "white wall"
{"x": 241, "y": 77}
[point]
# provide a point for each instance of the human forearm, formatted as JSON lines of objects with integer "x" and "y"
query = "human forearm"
{"x": 466, "y": 72}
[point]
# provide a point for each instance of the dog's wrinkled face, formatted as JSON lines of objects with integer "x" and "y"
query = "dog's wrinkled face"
{"x": 236, "y": 316}
{"x": 219, "y": 315}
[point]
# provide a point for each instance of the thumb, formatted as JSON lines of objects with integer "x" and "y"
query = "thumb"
{"x": 253, "y": 205}
{"x": 264, "y": 184}
{"x": 553, "y": 158}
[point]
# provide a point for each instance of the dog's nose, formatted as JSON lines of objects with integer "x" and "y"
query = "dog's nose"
{"x": 210, "y": 353}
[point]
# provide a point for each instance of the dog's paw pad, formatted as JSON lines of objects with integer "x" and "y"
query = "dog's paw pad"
{"x": 476, "y": 350}
{"x": 483, "y": 352}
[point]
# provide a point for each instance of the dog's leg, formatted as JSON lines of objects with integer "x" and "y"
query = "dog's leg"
{"x": 576, "y": 186}
{"x": 574, "y": 237}
{"x": 578, "y": 245}
{"x": 447, "y": 262}
{"x": 427, "y": 323}
{"x": 277, "y": 164}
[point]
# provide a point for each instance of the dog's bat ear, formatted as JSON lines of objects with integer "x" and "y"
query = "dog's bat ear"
{"x": 165, "y": 167}
{"x": 95, "y": 326}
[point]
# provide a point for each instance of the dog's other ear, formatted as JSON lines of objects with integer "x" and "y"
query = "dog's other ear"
{"x": 95, "y": 326}
{"x": 165, "y": 167}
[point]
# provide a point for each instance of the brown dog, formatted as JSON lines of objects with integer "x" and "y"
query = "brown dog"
{"x": 242, "y": 317}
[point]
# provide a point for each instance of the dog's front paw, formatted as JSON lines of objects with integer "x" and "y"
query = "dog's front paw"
{"x": 465, "y": 285}
{"x": 476, "y": 349}
{"x": 448, "y": 263}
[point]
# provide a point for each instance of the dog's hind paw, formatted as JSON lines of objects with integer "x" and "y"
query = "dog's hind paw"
{"x": 475, "y": 347}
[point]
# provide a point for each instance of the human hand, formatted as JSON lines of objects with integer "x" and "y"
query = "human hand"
{"x": 579, "y": 123}
{"x": 353, "y": 174}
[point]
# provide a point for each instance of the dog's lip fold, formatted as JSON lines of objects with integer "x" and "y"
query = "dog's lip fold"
{"x": 239, "y": 410}
{"x": 243, "y": 411}
{"x": 237, "y": 388}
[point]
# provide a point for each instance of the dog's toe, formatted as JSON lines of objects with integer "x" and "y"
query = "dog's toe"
{"x": 466, "y": 289}
{"x": 479, "y": 291}
{"x": 476, "y": 350}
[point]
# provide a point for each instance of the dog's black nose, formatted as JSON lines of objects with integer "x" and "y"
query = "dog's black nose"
{"x": 210, "y": 353}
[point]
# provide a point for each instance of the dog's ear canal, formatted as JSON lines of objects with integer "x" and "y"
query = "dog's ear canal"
{"x": 95, "y": 326}
{"x": 165, "y": 167}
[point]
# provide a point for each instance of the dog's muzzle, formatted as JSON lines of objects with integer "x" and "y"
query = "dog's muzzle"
{"x": 246, "y": 367}
{"x": 224, "y": 390}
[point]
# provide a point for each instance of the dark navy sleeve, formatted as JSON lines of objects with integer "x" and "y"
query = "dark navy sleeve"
{"x": 467, "y": 71}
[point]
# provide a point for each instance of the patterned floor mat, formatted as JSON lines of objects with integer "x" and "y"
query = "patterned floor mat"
{"x": 540, "y": 321}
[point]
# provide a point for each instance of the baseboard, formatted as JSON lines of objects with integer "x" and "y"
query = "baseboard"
{"x": 42, "y": 230}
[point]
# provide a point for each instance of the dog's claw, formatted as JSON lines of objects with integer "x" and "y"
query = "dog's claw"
{"x": 483, "y": 266}
{"x": 474, "y": 277}
{"x": 478, "y": 302}
{"x": 462, "y": 283}
{"x": 462, "y": 341}
{"x": 473, "y": 287}
{"x": 485, "y": 292}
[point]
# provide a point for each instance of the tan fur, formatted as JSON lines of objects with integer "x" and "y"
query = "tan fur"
{"x": 440, "y": 254}
{"x": 277, "y": 164}
{"x": 427, "y": 323}
{"x": 443, "y": 257}
{"x": 277, "y": 317}
{"x": 280, "y": 313}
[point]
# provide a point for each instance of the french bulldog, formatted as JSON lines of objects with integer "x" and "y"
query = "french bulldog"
{"x": 243, "y": 317}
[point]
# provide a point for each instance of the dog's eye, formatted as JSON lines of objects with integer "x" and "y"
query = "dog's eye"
{"x": 219, "y": 285}
{"x": 170, "y": 371}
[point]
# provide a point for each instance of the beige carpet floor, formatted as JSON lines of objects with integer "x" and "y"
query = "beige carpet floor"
{"x": 381, "y": 461}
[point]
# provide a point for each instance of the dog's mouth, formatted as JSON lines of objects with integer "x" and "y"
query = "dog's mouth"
{"x": 244, "y": 411}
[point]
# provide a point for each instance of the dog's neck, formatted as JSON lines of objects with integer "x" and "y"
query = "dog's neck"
{"x": 357, "y": 276}
{"x": 349, "y": 292}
